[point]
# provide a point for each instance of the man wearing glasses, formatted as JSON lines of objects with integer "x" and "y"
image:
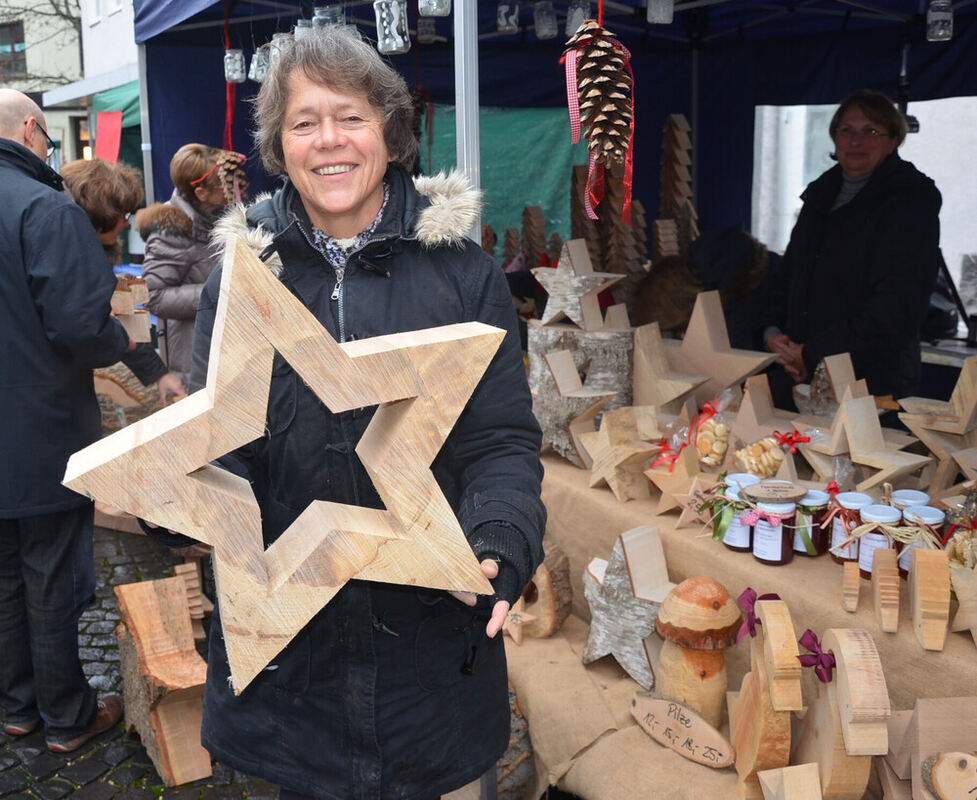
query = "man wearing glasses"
{"x": 55, "y": 294}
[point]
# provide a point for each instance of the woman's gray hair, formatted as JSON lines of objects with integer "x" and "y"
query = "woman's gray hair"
{"x": 336, "y": 58}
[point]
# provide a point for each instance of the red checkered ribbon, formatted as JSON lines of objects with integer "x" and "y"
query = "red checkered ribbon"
{"x": 573, "y": 99}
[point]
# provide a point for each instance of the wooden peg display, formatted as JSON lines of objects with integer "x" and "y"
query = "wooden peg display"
{"x": 929, "y": 581}
{"x": 800, "y": 782}
{"x": 885, "y": 588}
{"x": 851, "y": 585}
{"x": 862, "y": 696}
{"x": 705, "y": 350}
{"x": 655, "y": 382}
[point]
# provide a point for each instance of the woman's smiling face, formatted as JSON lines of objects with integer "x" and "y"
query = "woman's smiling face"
{"x": 335, "y": 155}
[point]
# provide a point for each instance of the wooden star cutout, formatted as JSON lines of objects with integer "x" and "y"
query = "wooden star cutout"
{"x": 655, "y": 382}
{"x": 674, "y": 481}
{"x": 580, "y": 406}
{"x": 757, "y": 418}
{"x": 573, "y": 287}
{"x": 690, "y": 499}
{"x": 625, "y": 593}
{"x": 515, "y": 619}
{"x": 705, "y": 350}
{"x": 868, "y": 447}
{"x": 159, "y": 468}
{"x": 943, "y": 446}
{"x": 619, "y": 457}
{"x": 959, "y": 415}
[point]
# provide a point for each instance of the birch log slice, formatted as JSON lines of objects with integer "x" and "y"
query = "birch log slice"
{"x": 549, "y": 595}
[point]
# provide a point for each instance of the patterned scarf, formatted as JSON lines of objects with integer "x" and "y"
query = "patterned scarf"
{"x": 335, "y": 253}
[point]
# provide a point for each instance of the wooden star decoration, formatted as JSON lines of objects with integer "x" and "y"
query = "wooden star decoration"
{"x": 619, "y": 456}
{"x": 655, "y": 382}
{"x": 515, "y": 619}
{"x": 159, "y": 468}
{"x": 943, "y": 446}
{"x": 705, "y": 350}
{"x": 959, "y": 415}
{"x": 578, "y": 406}
{"x": 674, "y": 480}
{"x": 868, "y": 447}
{"x": 756, "y": 418}
{"x": 625, "y": 593}
{"x": 573, "y": 287}
{"x": 690, "y": 499}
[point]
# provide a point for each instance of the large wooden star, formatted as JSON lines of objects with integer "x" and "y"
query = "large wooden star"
{"x": 944, "y": 446}
{"x": 159, "y": 469}
{"x": 705, "y": 350}
{"x": 573, "y": 287}
{"x": 655, "y": 382}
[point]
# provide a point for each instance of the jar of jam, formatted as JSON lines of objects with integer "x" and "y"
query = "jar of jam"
{"x": 737, "y": 480}
{"x": 811, "y": 511}
{"x": 907, "y": 498}
{"x": 919, "y": 515}
{"x": 875, "y": 539}
{"x": 738, "y": 536}
{"x": 773, "y": 533}
{"x": 850, "y": 503}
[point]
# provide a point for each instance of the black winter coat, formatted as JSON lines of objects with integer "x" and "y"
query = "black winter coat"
{"x": 55, "y": 294}
{"x": 390, "y": 691}
{"x": 859, "y": 278}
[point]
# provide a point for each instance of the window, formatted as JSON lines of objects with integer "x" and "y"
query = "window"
{"x": 13, "y": 51}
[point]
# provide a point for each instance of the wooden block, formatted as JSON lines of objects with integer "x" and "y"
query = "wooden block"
{"x": 863, "y": 699}
{"x": 885, "y": 588}
{"x": 549, "y": 595}
{"x": 892, "y": 787}
{"x": 899, "y": 757}
{"x": 800, "y": 782}
{"x": 820, "y": 740}
{"x": 939, "y": 724}
{"x": 122, "y": 302}
{"x": 190, "y": 572}
{"x": 780, "y": 655}
{"x": 616, "y": 316}
{"x": 851, "y": 584}
{"x": 139, "y": 290}
{"x": 760, "y": 734}
{"x": 964, "y": 583}
{"x": 163, "y": 677}
{"x": 137, "y": 325}
{"x": 929, "y": 576}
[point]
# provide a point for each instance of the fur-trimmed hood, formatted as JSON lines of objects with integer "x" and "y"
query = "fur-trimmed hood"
{"x": 175, "y": 216}
{"x": 447, "y": 209}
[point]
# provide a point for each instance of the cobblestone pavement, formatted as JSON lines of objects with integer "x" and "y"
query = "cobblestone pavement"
{"x": 114, "y": 764}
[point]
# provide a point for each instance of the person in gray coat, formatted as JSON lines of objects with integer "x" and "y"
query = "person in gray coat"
{"x": 178, "y": 255}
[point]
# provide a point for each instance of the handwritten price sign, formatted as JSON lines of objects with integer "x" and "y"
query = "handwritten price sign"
{"x": 676, "y": 727}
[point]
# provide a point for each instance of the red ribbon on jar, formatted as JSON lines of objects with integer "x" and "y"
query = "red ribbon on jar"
{"x": 833, "y": 489}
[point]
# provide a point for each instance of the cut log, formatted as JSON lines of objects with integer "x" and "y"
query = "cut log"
{"x": 163, "y": 677}
{"x": 549, "y": 595}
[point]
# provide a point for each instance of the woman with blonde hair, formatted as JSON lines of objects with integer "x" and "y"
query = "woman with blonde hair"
{"x": 177, "y": 233}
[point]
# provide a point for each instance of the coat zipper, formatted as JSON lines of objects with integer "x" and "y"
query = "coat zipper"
{"x": 337, "y": 294}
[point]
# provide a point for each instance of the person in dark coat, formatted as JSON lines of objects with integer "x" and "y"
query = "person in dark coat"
{"x": 389, "y": 691}
{"x": 55, "y": 293}
{"x": 862, "y": 259}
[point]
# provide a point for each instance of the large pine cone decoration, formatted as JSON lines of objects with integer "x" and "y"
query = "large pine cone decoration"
{"x": 604, "y": 87}
{"x": 229, "y": 168}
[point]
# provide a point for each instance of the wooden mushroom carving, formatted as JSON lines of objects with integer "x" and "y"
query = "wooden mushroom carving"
{"x": 698, "y": 620}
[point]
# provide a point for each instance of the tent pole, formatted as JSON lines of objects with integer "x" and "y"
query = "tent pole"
{"x": 466, "y": 98}
{"x": 145, "y": 137}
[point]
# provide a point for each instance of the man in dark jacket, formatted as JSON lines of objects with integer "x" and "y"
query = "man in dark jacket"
{"x": 55, "y": 292}
{"x": 862, "y": 259}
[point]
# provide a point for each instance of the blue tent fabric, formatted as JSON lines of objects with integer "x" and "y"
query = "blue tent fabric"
{"x": 794, "y": 59}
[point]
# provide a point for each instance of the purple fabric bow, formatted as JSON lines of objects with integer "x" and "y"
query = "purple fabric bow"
{"x": 822, "y": 662}
{"x": 747, "y": 601}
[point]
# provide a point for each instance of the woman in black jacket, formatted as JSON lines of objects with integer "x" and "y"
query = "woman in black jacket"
{"x": 862, "y": 259}
{"x": 389, "y": 691}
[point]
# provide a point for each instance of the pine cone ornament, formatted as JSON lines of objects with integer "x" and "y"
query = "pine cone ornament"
{"x": 604, "y": 89}
{"x": 234, "y": 183}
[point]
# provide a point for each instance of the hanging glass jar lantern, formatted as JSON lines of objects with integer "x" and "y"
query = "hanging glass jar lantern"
{"x": 279, "y": 42}
{"x": 392, "y": 36}
{"x": 331, "y": 14}
{"x": 661, "y": 12}
{"x": 235, "y": 70}
{"x": 939, "y": 21}
{"x": 258, "y": 70}
{"x": 544, "y": 19}
{"x": 303, "y": 28}
{"x": 434, "y": 8}
{"x": 426, "y": 31}
{"x": 577, "y": 12}
{"x": 507, "y": 17}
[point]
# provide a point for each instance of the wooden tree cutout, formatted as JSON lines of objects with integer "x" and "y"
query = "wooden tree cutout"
{"x": 573, "y": 287}
{"x": 159, "y": 468}
{"x": 705, "y": 350}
